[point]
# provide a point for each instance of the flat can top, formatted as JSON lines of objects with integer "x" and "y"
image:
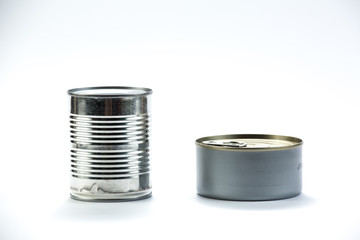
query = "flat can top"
{"x": 249, "y": 142}
{"x": 109, "y": 91}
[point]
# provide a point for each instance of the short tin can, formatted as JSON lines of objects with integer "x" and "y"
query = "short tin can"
{"x": 249, "y": 167}
{"x": 109, "y": 135}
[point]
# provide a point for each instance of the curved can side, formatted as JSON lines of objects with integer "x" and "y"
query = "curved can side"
{"x": 249, "y": 175}
{"x": 109, "y": 135}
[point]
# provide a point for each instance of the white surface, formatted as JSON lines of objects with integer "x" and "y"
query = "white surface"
{"x": 216, "y": 67}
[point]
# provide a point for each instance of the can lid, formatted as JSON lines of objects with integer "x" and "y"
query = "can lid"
{"x": 249, "y": 142}
{"x": 109, "y": 91}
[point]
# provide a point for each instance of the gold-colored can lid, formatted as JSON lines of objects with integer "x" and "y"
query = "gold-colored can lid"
{"x": 249, "y": 142}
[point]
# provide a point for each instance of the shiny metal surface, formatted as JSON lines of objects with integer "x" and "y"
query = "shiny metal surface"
{"x": 224, "y": 143}
{"x": 109, "y": 135}
{"x": 249, "y": 142}
{"x": 252, "y": 167}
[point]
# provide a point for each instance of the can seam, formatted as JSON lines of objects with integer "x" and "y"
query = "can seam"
{"x": 72, "y": 92}
{"x": 298, "y": 142}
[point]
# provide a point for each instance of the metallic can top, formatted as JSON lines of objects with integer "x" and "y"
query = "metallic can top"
{"x": 110, "y": 101}
{"x": 109, "y": 91}
{"x": 249, "y": 142}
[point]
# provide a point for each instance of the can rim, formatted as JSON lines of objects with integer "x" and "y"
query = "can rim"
{"x": 76, "y": 91}
{"x": 296, "y": 142}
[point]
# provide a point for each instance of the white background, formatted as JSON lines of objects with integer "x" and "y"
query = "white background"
{"x": 216, "y": 67}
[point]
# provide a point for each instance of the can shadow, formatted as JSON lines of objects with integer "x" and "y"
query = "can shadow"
{"x": 300, "y": 201}
{"x": 74, "y": 210}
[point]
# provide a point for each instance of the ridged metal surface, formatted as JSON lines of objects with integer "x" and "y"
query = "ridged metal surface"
{"x": 95, "y": 162}
{"x": 109, "y": 154}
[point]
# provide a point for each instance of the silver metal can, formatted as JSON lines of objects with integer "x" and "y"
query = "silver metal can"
{"x": 249, "y": 167}
{"x": 109, "y": 134}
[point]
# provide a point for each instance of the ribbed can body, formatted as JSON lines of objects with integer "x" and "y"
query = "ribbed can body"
{"x": 109, "y": 134}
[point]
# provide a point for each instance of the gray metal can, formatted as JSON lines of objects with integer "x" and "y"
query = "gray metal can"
{"x": 109, "y": 134}
{"x": 249, "y": 167}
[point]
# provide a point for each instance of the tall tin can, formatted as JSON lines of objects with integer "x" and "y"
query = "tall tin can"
{"x": 109, "y": 134}
{"x": 249, "y": 167}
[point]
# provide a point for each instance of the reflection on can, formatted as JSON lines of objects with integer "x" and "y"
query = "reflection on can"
{"x": 249, "y": 167}
{"x": 109, "y": 134}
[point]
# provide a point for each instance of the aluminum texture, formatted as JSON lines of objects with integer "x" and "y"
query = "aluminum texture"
{"x": 249, "y": 174}
{"x": 109, "y": 134}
